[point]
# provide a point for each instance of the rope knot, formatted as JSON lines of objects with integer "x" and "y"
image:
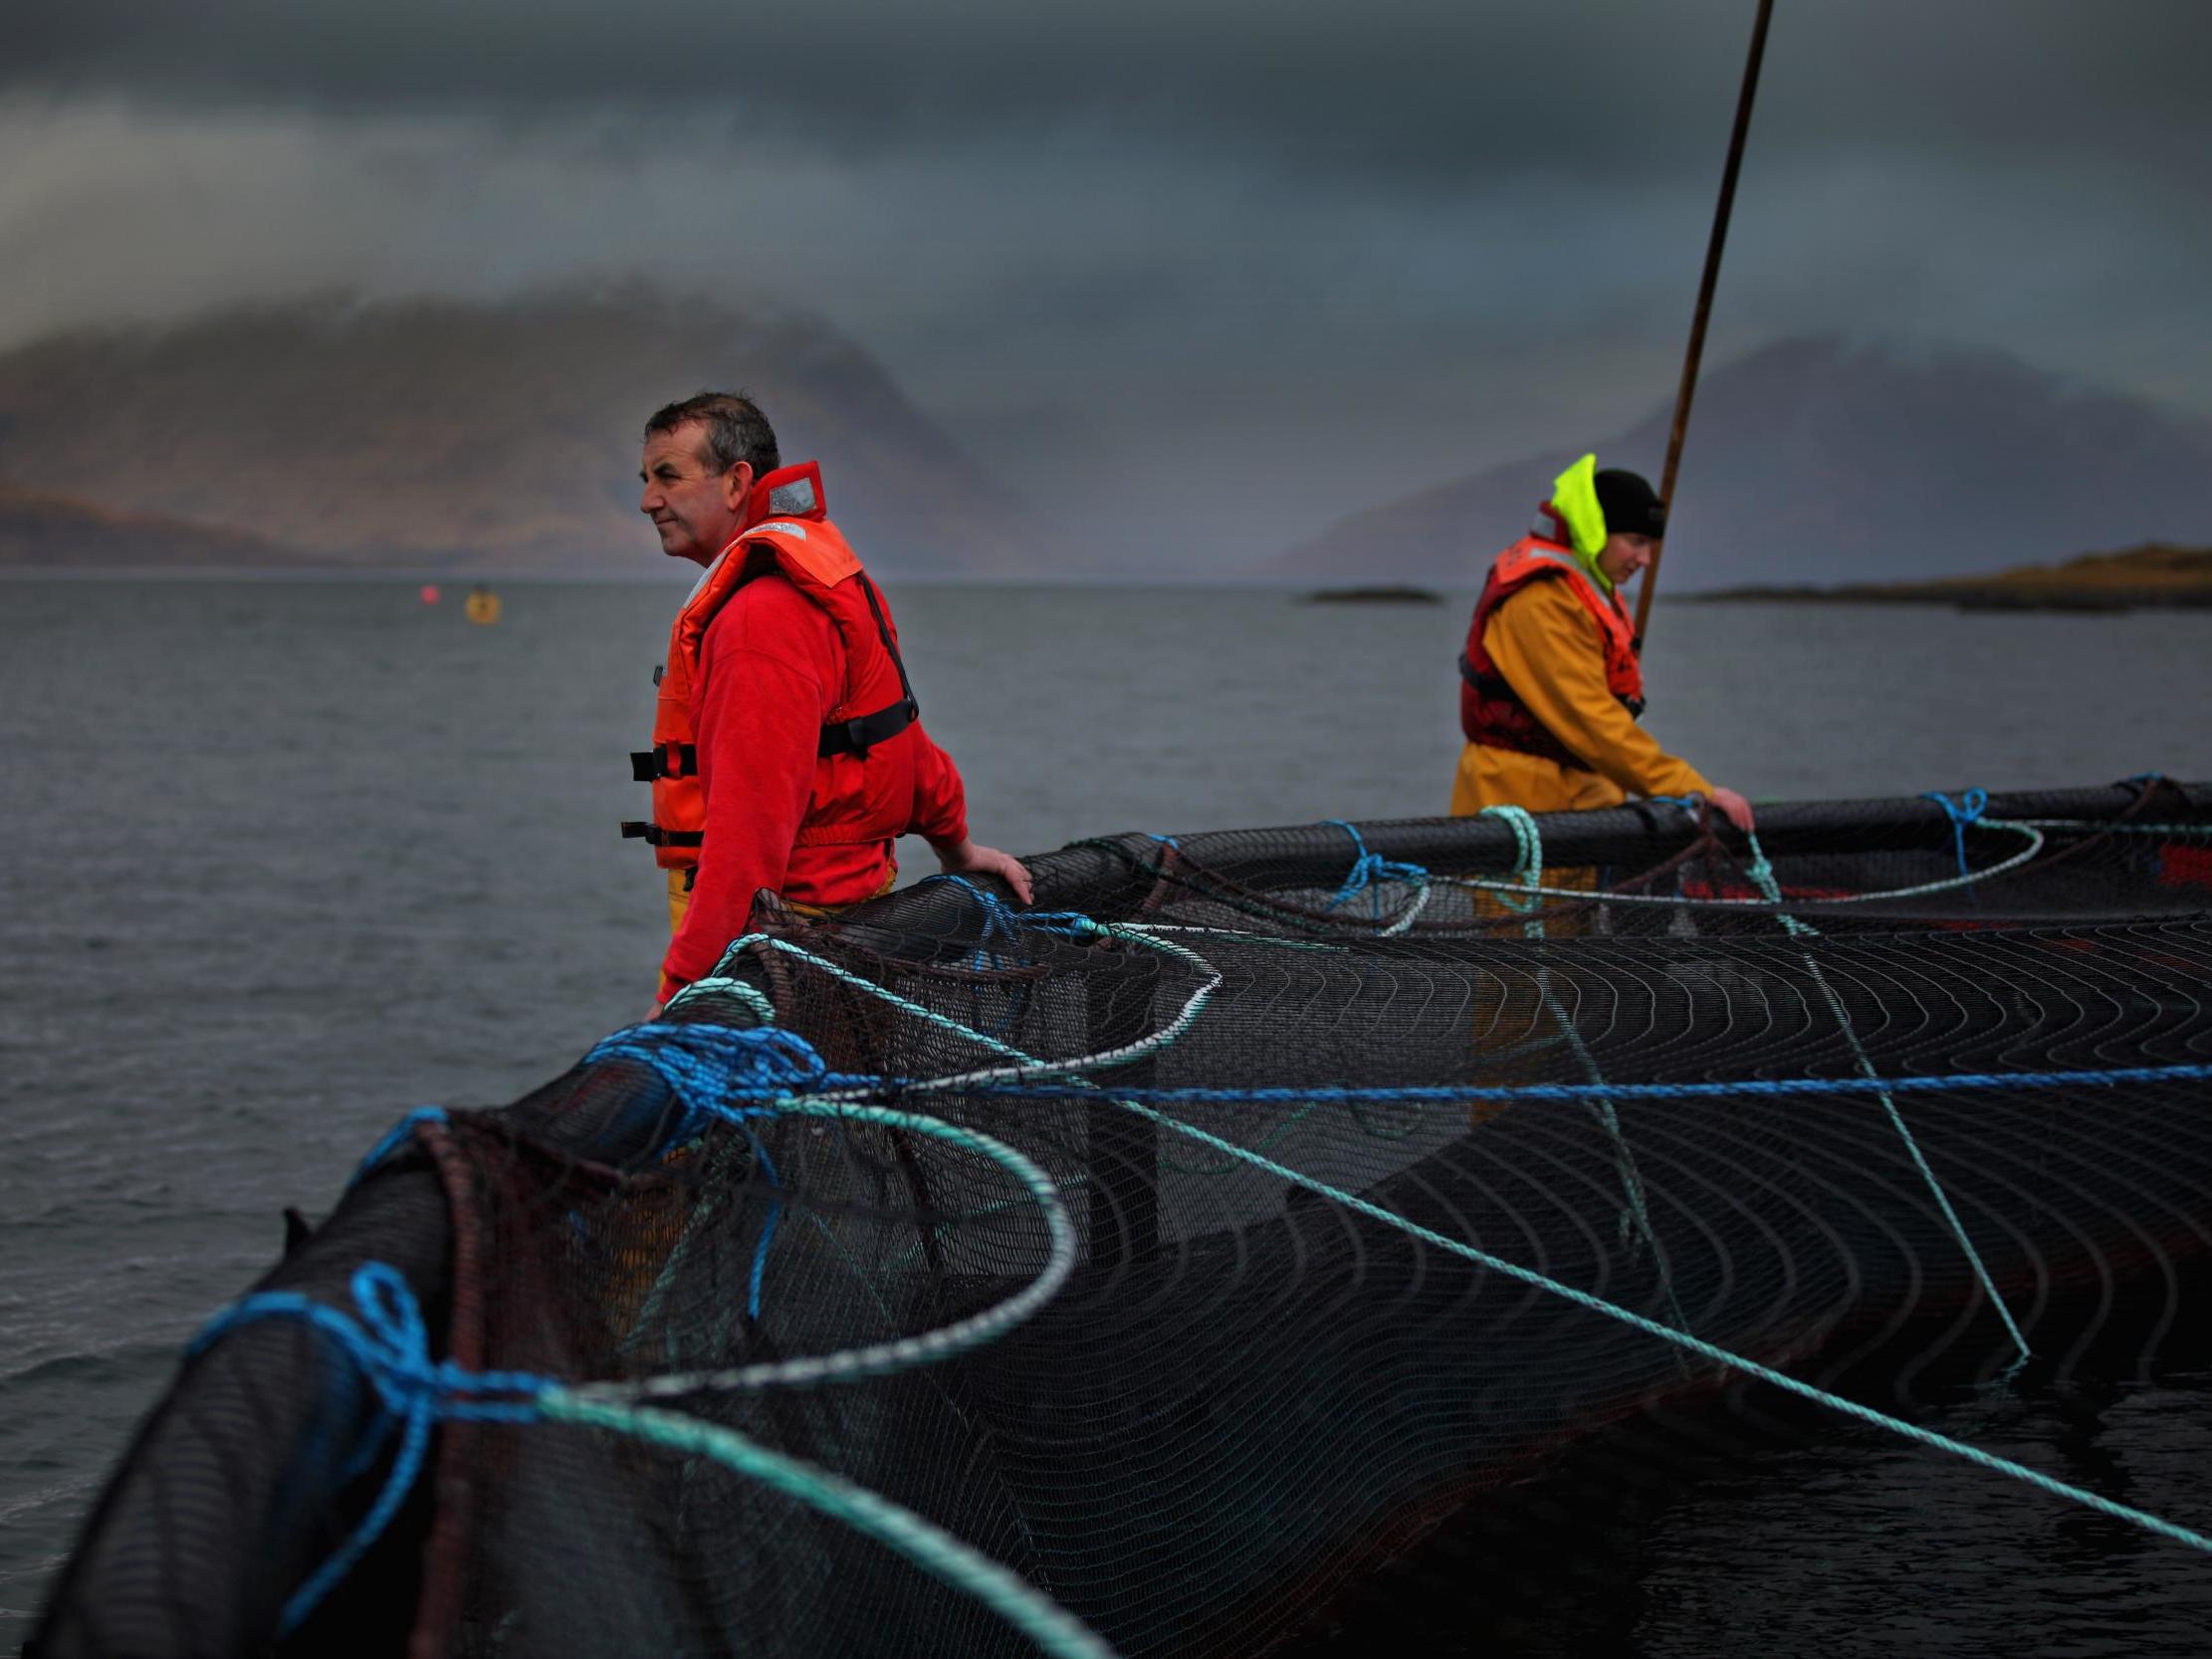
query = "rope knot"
{"x": 1369, "y": 867}
{"x": 387, "y": 1338}
{"x": 706, "y": 1066}
{"x": 768, "y": 1060}
{"x": 396, "y": 1355}
{"x": 1963, "y": 812}
{"x": 1528, "y": 862}
{"x": 1001, "y": 917}
{"x": 1968, "y": 810}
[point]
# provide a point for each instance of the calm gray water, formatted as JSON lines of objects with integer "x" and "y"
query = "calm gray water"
{"x": 282, "y": 859}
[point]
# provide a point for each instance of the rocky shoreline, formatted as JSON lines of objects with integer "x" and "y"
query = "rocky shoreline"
{"x": 2155, "y": 577}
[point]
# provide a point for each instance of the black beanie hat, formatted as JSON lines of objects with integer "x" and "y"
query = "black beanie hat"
{"x": 1630, "y": 505}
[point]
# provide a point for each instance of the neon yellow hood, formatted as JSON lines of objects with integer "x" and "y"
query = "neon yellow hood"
{"x": 1574, "y": 500}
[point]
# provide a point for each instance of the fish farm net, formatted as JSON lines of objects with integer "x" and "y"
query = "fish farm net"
{"x": 1136, "y": 1272}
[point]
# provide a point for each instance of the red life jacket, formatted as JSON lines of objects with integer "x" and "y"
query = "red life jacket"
{"x": 1491, "y": 712}
{"x": 863, "y": 787}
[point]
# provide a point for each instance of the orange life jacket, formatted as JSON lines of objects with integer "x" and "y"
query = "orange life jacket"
{"x": 1491, "y": 712}
{"x": 863, "y": 787}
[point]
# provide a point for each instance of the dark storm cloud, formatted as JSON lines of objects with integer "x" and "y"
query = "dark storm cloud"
{"x": 1246, "y": 259}
{"x": 1407, "y": 94}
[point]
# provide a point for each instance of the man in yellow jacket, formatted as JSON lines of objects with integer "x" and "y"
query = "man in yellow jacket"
{"x": 1551, "y": 686}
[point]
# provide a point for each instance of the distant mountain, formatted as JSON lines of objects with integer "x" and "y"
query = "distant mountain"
{"x": 52, "y": 532}
{"x": 488, "y": 435}
{"x": 1818, "y": 460}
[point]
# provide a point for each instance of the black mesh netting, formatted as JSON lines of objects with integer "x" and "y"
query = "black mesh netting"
{"x": 1306, "y": 1098}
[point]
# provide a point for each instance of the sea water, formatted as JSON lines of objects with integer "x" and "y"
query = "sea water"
{"x": 279, "y": 860}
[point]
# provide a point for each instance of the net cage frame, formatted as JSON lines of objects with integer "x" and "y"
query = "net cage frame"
{"x": 260, "y": 1461}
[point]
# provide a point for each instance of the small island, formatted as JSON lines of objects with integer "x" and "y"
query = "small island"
{"x": 1383, "y": 594}
{"x": 2154, "y": 576}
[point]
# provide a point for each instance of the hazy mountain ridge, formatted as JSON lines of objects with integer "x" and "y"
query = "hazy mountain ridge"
{"x": 1822, "y": 460}
{"x": 53, "y": 531}
{"x": 496, "y": 436}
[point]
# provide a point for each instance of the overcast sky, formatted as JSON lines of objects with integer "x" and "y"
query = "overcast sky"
{"x": 1247, "y": 261}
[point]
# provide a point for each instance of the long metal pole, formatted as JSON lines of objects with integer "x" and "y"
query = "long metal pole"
{"x": 1705, "y": 285}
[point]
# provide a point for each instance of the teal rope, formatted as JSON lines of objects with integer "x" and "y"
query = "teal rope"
{"x": 1174, "y": 1032}
{"x": 928, "y": 1547}
{"x": 1762, "y": 876}
{"x": 905, "y": 1353}
{"x": 1694, "y": 1345}
{"x": 1683, "y": 1340}
{"x": 1709, "y": 1351}
{"x": 718, "y": 983}
{"x": 1918, "y": 889}
{"x": 1635, "y": 1214}
{"x": 385, "y": 1338}
{"x": 1528, "y": 862}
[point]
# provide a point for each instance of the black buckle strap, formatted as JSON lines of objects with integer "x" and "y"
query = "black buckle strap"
{"x": 654, "y": 836}
{"x": 649, "y": 765}
{"x": 1497, "y": 685}
{"x": 857, "y": 737}
{"x": 1486, "y": 684}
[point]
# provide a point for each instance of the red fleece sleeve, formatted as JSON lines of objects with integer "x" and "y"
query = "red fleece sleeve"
{"x": 768, "y": 668}
{"x": 940, "y": 798}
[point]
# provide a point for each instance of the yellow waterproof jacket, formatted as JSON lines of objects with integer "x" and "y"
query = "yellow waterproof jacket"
{"x": 1546, "y": 644}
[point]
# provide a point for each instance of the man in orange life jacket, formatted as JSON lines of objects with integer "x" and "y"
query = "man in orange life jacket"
{"x": 788, "y": 748}
{"x": 1550, "y": 682}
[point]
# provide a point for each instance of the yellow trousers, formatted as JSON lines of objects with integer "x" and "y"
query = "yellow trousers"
{"x": 1505, "y": 777}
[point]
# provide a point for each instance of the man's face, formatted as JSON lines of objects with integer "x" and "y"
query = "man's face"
{"x": 1624, "y": 556}
{"x": 695, "y": 509}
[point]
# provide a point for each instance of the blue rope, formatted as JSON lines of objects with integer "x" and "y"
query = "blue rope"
{"x": 395, "y": 1138}
{"x": 387, "y": 1338}
{"x": 768, "y": 1230}
{"x": 1047, "y": 1088}
{"x": 770, "y": 1063}
{"x": 1964, "y": 811}
{"x": 1001, "y": 917}
{"x": 703, "y": 1064}
{"x": 1369, "y": 867}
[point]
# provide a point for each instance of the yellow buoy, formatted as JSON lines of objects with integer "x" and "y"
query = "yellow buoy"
{"x": 483, "y": 605}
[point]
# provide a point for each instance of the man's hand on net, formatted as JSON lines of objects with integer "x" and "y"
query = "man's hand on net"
{"x": 968, "y": 858}
{"x": 1733, "y": 807}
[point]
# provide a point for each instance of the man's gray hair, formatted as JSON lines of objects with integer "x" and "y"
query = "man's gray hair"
{"x": 736, "y": 429}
